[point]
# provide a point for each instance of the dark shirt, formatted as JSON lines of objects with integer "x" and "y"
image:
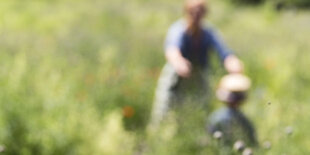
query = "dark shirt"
{"x": 233, "y": 124}
{"x": 197, "y": 50}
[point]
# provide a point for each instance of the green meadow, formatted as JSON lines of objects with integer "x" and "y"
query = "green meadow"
{"x": 78, "y": 77}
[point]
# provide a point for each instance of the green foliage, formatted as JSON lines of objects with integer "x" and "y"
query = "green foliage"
{"x": 247, "y": 1}
{"x": 299, "y": 3}
{"x": 69, "y": 68}
{"x": 277, "y": 3}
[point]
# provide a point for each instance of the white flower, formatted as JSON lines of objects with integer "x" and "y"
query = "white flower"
{"x": 289, "y": 130}
{"x": 267, "y": 145}
{"x": 247, "y": 151}
{"x": 2, "y": 148}
{"x": 239, "y": 145}
{"x": 217, "y": 135}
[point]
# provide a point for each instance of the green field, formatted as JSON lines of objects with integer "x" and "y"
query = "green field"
{"x": 78, "y": 76}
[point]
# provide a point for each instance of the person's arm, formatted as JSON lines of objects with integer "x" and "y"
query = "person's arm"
{"x": 231, "y": 63}
{"x": 173, "y": 52}
{"x": 181, "y": 65}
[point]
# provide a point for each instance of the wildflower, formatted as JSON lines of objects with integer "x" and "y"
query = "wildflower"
{"x": 239, "y": 145}
{"x": 2, "y": 148}
{"x": 266, "y": 145}
{"x": 247, "y": 151}
{"x": 128, "y": 111}
{"x": 289, "y": 130}
{"x": 217, "y": 135}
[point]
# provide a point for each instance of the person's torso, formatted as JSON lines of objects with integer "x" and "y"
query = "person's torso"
{"x": 233, "y": 124}
{"x": 194, "y": 48}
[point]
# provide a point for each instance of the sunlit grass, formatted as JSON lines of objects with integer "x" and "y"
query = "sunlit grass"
{"x": 68, "y": 69}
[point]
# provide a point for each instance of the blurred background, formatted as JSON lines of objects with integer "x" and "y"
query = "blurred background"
{"x": 78, "y": 76}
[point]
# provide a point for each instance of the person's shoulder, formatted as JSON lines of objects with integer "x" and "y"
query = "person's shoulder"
{"x": 179, "y": 25}
{"x": 208, "y": 27}
{"x": 222, "y": 114}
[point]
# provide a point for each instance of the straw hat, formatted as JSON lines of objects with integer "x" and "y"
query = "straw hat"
{"x": 230, "y": 83}
{"x": 235, "y": 83}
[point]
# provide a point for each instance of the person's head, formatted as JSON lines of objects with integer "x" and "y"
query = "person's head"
{"x": 195, "y": 10}
{"x": 232, "y": 89}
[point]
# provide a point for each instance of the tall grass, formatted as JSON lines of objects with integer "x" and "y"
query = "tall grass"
{"x": 70, "y": 70}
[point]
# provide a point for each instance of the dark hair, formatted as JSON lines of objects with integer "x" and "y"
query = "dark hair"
{"x": 236, "y": 97}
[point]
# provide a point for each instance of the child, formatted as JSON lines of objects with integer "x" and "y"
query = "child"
{"x": 229, "y": 120}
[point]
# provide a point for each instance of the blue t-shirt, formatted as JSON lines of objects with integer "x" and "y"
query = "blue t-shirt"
{"x": 195, "y": 51}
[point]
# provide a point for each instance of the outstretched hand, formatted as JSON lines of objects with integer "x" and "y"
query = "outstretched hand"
{"x": 233, "y": 65}
{"x": 184, "y": 68}
{"x": 181, "y": 65}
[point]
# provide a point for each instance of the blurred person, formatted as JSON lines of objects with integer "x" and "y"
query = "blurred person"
{"x": 229, "y": 120}
{"x": 187, "y": 47}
